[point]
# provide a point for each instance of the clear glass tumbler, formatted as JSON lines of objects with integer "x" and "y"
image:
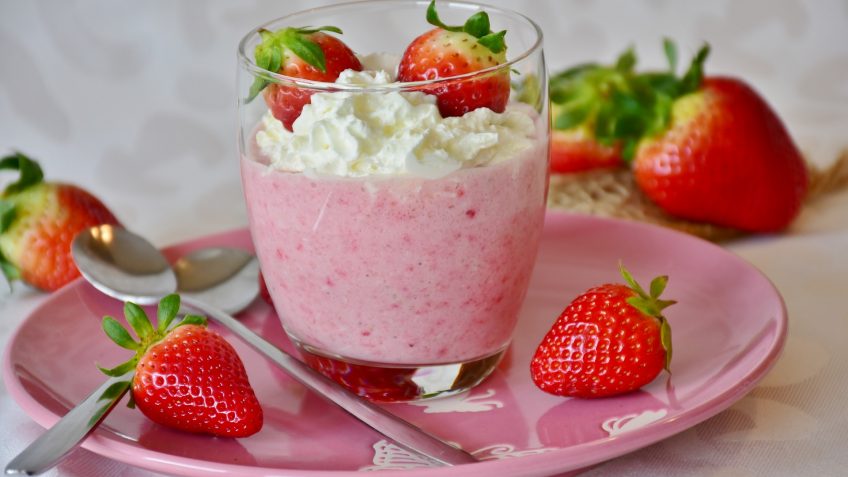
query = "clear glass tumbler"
{"x": 396, "y": 272}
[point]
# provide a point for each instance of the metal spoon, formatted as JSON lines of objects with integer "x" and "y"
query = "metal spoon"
{"x": 106, "y": 257}
{"x": 224, "y": 277}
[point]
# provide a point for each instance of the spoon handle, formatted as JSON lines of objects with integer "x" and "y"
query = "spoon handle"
{"x": 55, "y": 443}
{"x": 398, "y": 430}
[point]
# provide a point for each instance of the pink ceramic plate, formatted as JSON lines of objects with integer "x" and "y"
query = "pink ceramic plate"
{"x": 729, "y": 326}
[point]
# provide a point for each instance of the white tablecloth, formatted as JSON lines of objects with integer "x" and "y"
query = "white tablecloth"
{"x": 135, "y": 101}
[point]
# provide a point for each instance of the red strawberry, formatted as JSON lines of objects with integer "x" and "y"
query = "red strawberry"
{"x": 448, "y": 51}
{"x": 38, "y": 222}
{"x": 708, "y": 150}
{"x": 577, "y": 151}
{"x": 186, "y": 376}
{"x": 610, "y": 340}
{"x": 726, "y": 159}
{"x": 375, "y": 384}
{"x": 305, "y": 53}
{"x": 581, "y": 99}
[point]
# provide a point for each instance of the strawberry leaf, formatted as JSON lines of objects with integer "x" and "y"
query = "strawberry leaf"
{"x": 193, "y": 320}
{"x": 258, "y": 85}
{"x": 120, "y": 369}
{"x": 477, "y": 25}
{"x": 670, "y": 50}
{"x": 111, "y": 393}
{"x": 433, "y": 19}
{"x": 626, "y": 61}
{"x": 167, "y": 311}
{"x": 665, "y": 339}
{"x": 631, "y": 282}
{"x": 11, "y": 272}
{"x": 658, "y": 286}
{"x": 308, "y": 30}
{"x": 494, "y": 41}
{"x": 306, "y": 49}
{"x": 31, "y": 172}
{"x": 628, "y": 149}
{"x": 137, "y": 318}
{"x": 572, "y": 114}
{"x": 119, "y": 334}
{"x": 691, "y": 81}
{"x": 115, "y": 390}
{"x": 573, "y": 73}
{"x": 8, "y": 214}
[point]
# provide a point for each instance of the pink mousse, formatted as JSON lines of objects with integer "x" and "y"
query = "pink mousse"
{"x": 399, "y": 269}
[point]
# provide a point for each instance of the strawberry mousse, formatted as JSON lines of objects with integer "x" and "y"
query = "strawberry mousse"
{"x": 388, "y": 234}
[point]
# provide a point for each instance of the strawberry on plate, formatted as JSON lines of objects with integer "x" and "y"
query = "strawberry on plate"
{"x": 610, "y": 340}
{"x": 305, "y": 53}
{"x": 186, "y": 376}
{"x": 448, "y": 51}
{"x": 38, "y": 222}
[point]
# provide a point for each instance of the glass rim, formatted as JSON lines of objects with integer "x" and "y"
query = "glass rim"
{"x": 248, "y": 63}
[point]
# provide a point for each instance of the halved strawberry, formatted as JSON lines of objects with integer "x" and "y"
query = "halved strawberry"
{"x": 186, "y": 376}
{"x": 305, "y": 53}
{"x": 38, "y": 222}
{"x": 448, "y": 51}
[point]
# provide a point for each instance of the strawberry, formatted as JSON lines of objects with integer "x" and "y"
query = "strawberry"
{"x": 305, "y": 53}
{"x": 186, "y": 376}
{"x": 578, "y": 150}
{"x": 703, "y": 149}
{"x": 610, "y": 340}
{"x": 448, "y": 51}
{"x": 726, "y": 159}
{"x": 375, "y": 384}
{"x": 38, "y": 222}
{"x": 581, "y": 138}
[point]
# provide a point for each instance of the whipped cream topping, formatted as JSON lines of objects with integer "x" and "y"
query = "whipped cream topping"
{"x": 389, "y": 133}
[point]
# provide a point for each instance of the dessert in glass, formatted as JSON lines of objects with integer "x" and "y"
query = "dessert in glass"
{"x": 395, "y": 178}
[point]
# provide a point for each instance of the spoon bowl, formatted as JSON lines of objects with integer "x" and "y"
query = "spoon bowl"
{"x": 125, "y": 266}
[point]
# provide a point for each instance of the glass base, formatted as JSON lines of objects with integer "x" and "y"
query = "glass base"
{"x": 396, "y": 383}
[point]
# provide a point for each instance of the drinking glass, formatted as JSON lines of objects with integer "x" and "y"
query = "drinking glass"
{"x": 399, "y": 286}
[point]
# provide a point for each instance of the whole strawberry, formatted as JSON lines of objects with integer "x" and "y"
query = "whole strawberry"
{"x": 186, "y": 376}
{"x": 581, "y": 100}
{"x": 578, "y": 150}
{"x": 305, "y": 53}
{"x": 610, "y": 340}
{"x": 726, "y": 159}
{"x": 38, "y": 221}
{"x": 447, "y": 51}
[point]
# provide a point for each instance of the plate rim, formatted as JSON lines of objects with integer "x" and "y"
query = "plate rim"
{"x": 109, "y": 445}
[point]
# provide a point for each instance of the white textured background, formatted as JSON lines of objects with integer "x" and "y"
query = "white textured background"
{"x": 136, "y": 101}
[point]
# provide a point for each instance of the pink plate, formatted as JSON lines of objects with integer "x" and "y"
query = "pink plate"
{"x": 729, "y": 327}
